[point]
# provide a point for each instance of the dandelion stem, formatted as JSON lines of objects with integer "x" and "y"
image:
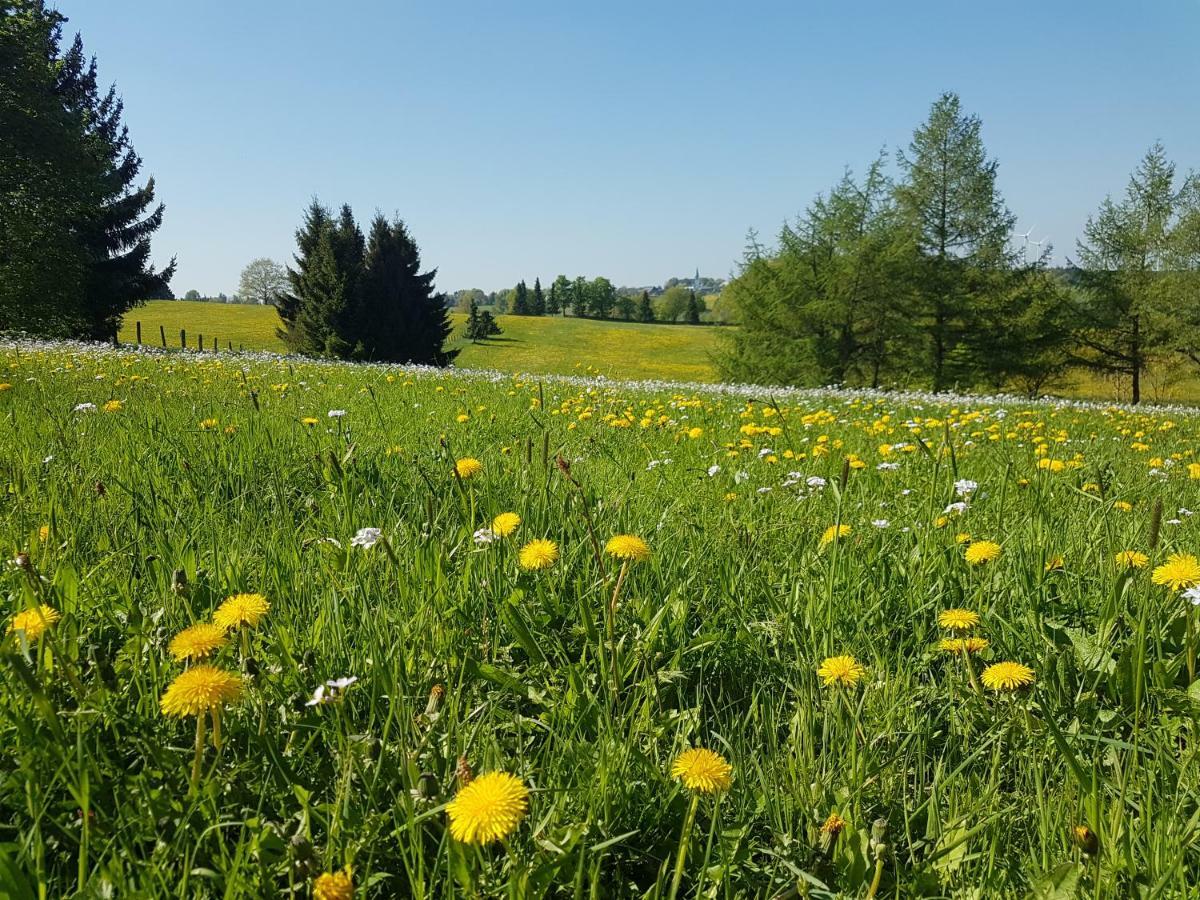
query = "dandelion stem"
{"x": 611, "y": 624}
{"x": 684, "y": 838}
{"x": 201, "y": 722}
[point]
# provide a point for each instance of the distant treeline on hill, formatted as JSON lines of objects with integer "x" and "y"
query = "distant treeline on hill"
{"x": 693, "y": 301}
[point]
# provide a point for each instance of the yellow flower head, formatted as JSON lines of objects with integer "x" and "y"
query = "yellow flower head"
{"x": 1181, "y": 570}
{"x": 1132, "y": 559}
{"x": 833, "y": 825}
{"x": 488, "y": 809}
{"x": 200, "y": 689}
{"x": 958, "y": 619}
{"x": 843, "y": 670}
{"x": 981, "y": 552}
{"x": 197, "y": 641}
{"x": 309, "y": 422}
{"x": 208, "y": 424}
{"x": 1055, "y": 563}
{"x": 334, "y": 886}
{"x": 1007, "y": 676}
{"x": 505, "y": 524}
{"x": 241, "y": 609}
{"x": 702, "y": 771}
{"x": 34, "y": 622}
{"x": 538, "y": 554}
{"x": 962, "y": 645}
{"x": 44, "y": 533}
{"x": 112, "y": 406}
{"x": 468, "y": 467}
{"x": 628, "y": 547}
{"x": 834, "y": 533}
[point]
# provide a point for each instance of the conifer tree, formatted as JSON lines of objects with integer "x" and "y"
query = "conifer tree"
{"x": 521, "y": 300}
{"x": 693, "y": 309}
{"x": 553, "y": 300}
{"x": 537, "y": 302}
{"x": 645, "y": 308}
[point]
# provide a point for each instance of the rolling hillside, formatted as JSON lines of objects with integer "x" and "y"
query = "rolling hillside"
{"x": 551, "y": 345}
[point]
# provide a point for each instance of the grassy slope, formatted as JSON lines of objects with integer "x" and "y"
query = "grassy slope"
{"x": 550, "y": 345}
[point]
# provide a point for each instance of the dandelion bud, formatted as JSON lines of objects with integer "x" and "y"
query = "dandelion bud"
{"x": 21, "y": 560}
{"x": 301, "y": 848}
{"x": 435, "y": 699}
{"x": 879, "y": 846}
{"x": 179, "y": 582}
{"x": 427, "y": 785}
{"x": 1085, "y": 839}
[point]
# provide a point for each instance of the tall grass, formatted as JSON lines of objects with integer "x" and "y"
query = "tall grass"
{"x": 206, "y": 482}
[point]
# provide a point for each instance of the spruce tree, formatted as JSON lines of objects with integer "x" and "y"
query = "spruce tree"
{"x": 693, "y": 309}
{"x": 537, "y": 302}
{"x": 399, "y": 317}
{"x": 315, "y": 223}
{"x": 553, "y": 302}
{"x": 521, "y": 300}
{"x": 645, "y": 308}
{"x": 473, "y": 333}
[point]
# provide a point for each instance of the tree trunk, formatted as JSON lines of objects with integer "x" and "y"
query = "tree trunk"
{"x": 1136, "y": 362}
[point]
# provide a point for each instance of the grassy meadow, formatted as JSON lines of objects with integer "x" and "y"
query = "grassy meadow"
{"x": 934, "y": 647}
{"x": 547, "y": 345}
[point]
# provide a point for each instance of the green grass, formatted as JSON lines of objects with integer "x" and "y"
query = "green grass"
{"x": 204, "y": 480}
{"x": 550, "y": 345}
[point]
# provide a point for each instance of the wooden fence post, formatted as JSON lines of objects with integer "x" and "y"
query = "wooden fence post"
{"x": 139, "y": 333}
{"x": 183, "y": 338}
{"x": 200, "y": 338}
{"x": 162, "y": 333}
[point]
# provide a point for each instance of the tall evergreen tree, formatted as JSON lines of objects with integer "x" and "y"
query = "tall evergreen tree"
{"x": 315, "y": 224}
{"x": 950, "y": 202}
{"x": 553, "y": 300}
{"x": 537, "y": 301}
{"x": 520, "y": 305}
{"x": 400, "y": 317}
{"x": 75, "y": 226}
{"x": 693, "y": 309}
{"x": 1130, "y": 299}
{"x": 645, "y": 309}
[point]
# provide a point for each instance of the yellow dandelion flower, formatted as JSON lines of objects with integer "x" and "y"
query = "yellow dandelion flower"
{"x": 1007, "y": 676}
{"x": 1054, "y": 563}
{"x": 505, "y": 524}
{"x": 958, "y": 619}
{"x": 309, "y": 421}
{"x": 112, "y": 406}
{"x": 34, "y": 622}
{"x": 208, "y": 424}
{"x": 241, "y": 609}
{"x": 334, "y": 886}
{"x": 843, "y": 670}
{"x": 197, "y": 641}
{"x": 44, "y": 533}
{"x": 702, "y": 770}
{"x": 200, "y": 689}
{"x": 488, "y": 809}
{"x": 963, "y": 645}
{"x": 538, "y": 554}
{"x": 1085, "y": 839}
{"x": 628, "y": 547}
{"x": 834, "y": 533}
{"x": 1181, "y": 570}
{"x": 1123, "y": 506}
{"x": 981, "y": 552}
{"x": 1132, "y": 559}
{"x": 468, "y": 467}
{"x": 962, "y": 538}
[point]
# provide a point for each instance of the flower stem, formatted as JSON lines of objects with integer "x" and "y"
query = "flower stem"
{"x": 684, "y": 838}
{"x": 201, "y": 722}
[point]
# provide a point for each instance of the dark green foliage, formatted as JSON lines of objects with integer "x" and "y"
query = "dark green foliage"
{"x": 75, "y": 227}
{"x": 693, "y": 309}
{"x": 361, "y": 298}
{"x": 554, "y": 299}
{"x": 645, "y": 309}
{"x": 520, "y": 305}
{"x": 480, "y": 325}
{"x": 537, "y": 301}
{"x": 626, "y": 308}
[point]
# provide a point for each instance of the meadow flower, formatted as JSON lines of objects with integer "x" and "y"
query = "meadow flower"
{"x": 208, "y": 424}
{"x": 841, "y": 670}
{"x": 1054, "y": 563}
{"x": 112, "y": 406}
{"x": 713, "y": 470}
{"x": 833, "y": 825}
{"x": 366, "y": 538}
{"x": 241, "y": 609}
{"x": 200, "y": 689}
{"x": 627, "y": 547}
{"x": 1181, "y": 570}
{"x": 34, "y": 622}
{"x": 981, "y": 552}
{"x": 1132, "y": 559}
{"x": 336, "y": 413}
{"x": 484, "y": 536}
{"x": 84, "y": 407}
{"x": 880, "y": 523}
{"x": 330, "y": 691}
{"x": 1192, "y": 596}
{"x": 962, "y": 645}
{"x": 309, "y": 421}
{"x": 834, "y": 533}
{"x": 964, "y": 487}
{"x": 702, "y": 771}
{"x": 958, "y": 619}
{"x": 197, "y": 641}
{"x": 1007, "y": 676}
{"x": 538, "y": 554}
{"x": 468, "y": 467}
{"x": 488, "y": 809}
{"x": 334, "y": 886}
{"x": 1085, "y": 839}
{"x": 505, "y": 524}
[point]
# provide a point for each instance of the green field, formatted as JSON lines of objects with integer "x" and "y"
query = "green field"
{"x": 550, "y": 345}
{"x": 810, "y": 575}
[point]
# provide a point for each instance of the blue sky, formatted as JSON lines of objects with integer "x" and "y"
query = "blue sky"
{"x": 633, "y": 140}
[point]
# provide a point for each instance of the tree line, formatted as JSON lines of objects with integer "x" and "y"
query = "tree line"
{"x": 916, "y": 279}
{"x": 597, "y": 298}
{"x": 75, "y": 219}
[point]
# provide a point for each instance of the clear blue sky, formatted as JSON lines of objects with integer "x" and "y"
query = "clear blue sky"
{"x": 636, "y": 140}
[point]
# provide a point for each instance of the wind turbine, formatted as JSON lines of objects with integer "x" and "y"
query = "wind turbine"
{"x": 1025, "y": 245}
